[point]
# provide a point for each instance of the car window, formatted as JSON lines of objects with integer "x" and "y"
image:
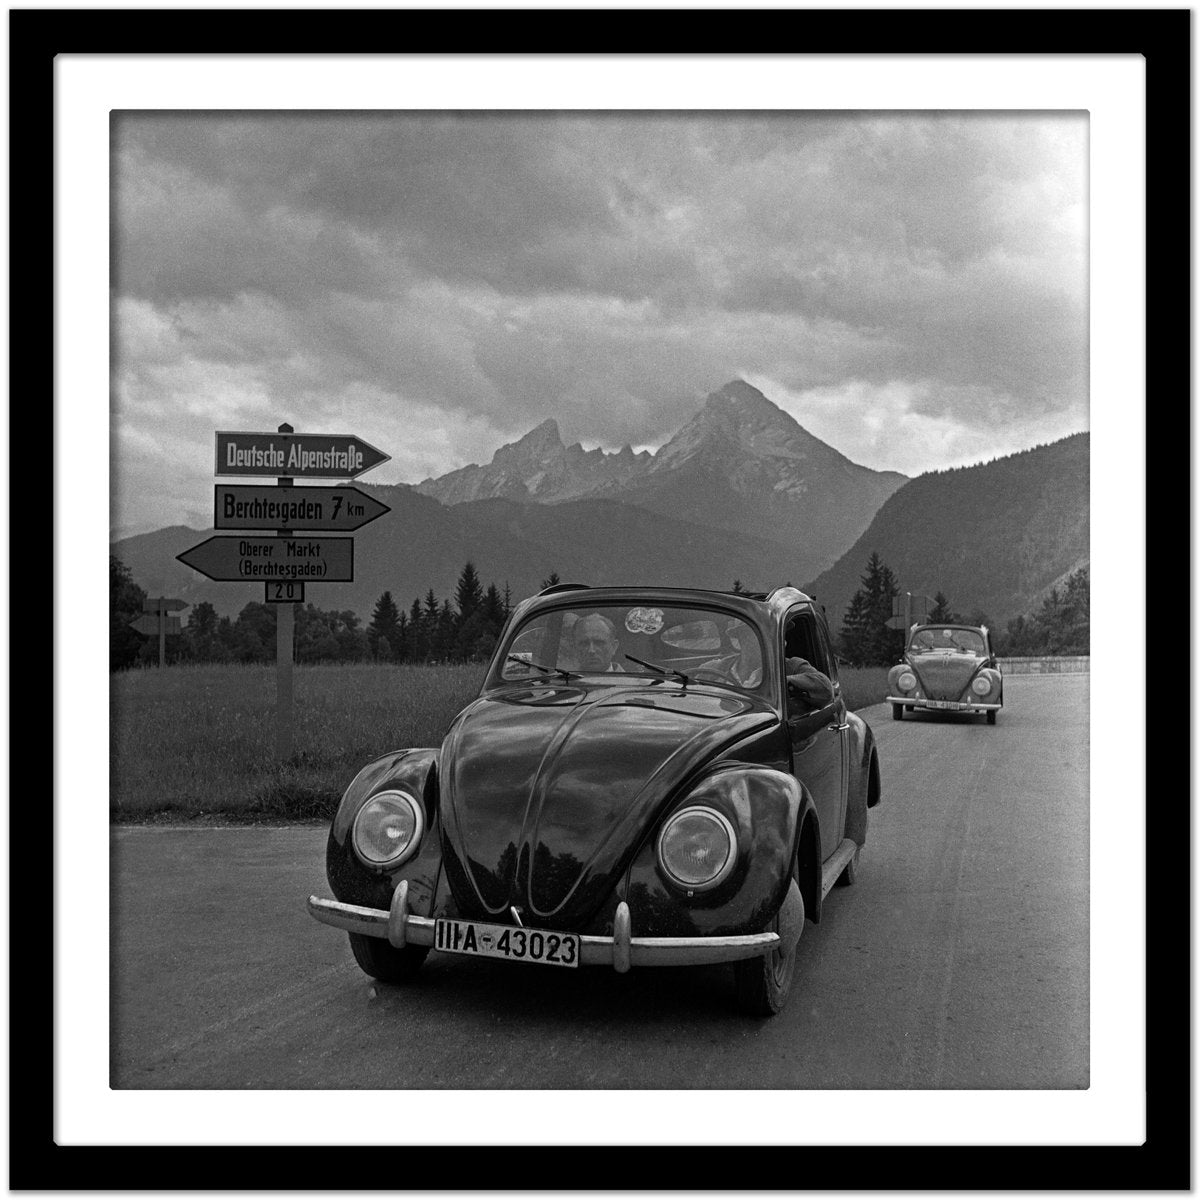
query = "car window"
{"x": 802, "y": 640}
{"x": 598, "y": 639}
{"x": 948, "y": 640}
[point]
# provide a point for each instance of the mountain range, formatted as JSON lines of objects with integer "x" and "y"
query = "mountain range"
{"x": 993, "y": 538}
{"x": 741, "y": 464}
{"x": 740, "y": 492}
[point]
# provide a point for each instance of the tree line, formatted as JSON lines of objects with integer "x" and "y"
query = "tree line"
{"x": 464, "y": 629}
{"x": 1059, "y": 627}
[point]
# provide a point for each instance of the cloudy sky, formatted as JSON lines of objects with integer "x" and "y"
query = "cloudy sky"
{"x": 911, "y": 288}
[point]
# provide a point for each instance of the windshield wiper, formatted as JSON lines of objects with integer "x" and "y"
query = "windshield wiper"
{"x": 527, "y": 662}
{"x": 641, "y": 662}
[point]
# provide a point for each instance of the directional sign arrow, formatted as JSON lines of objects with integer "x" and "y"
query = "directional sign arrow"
{"x": 264, "y": 506}
{"x": 895, "y": 623}
{"x": 149, "y": 625}
{"x": 305, "y": 559}
{"x": 157, "y": 603}
{"x": 296, "y": 455}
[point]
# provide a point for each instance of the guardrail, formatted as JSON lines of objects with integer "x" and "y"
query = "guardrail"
{"x": 1068, "y": 664}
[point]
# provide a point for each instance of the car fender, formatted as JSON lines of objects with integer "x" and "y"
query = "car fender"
{"x": 862, "y": 788}
{"x": 415, "y": 772}
{"x": 771, "y": 812}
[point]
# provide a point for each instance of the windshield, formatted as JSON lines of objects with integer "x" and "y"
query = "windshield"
{"x": 702, "y": 644}
{"x": 958, "y": 641}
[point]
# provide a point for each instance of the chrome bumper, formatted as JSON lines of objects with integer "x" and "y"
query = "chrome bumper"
{"x": 621, "y": 951}
{"x": 941, "y": 705}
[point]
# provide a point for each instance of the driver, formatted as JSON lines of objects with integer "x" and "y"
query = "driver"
{"x": 746, "y": 668}
{"x": 595, "y": 641}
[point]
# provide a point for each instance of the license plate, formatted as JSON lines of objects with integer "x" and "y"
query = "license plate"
{"x": 940, "y": 703}
{"x": 507, "y": 941}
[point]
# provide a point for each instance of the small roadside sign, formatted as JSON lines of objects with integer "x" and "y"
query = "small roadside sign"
{"x": 296, "y": 455}
{"x": 153, "y": 604}
{"x": 896, "y": 623}
{"x": 265, "y": 506}
{"x": 149, "y": 625}
{"x": 284, "y": 592}
{"x": 267, "y": 559}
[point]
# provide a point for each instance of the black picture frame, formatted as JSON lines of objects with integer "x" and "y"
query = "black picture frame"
{"x": 36, "y": 1162}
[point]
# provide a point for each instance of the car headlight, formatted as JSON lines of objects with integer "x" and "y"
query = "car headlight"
{"x": 388, "y": 829}
{"x": 981, "y": 685}
{"x": 697, "y": 848}
{"x": 907, "y": 681}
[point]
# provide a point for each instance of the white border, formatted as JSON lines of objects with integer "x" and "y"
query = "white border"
{"x": 1112, "y": 1110}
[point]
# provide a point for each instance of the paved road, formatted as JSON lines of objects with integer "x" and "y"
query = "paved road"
{"x": 958, "y": 961}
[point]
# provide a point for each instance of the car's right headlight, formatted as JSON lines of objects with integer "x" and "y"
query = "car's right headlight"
{"x": 906, "y": 681}
{"x": 697, "y": 848}
{"x": 388, "y": 829}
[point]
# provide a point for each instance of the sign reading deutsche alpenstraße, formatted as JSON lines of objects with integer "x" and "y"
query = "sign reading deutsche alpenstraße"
{"x": 266, "y": 506}
{"x": 296, "y": 455}
{"x": 244, "y": 560}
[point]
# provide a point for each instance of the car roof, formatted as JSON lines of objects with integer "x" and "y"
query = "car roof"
{"x": 755, "y": 605}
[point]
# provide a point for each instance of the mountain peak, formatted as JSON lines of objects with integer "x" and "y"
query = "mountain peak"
{"x": 737, "y": 392}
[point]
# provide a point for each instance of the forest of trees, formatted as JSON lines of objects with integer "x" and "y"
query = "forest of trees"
{"x": 1060, "y": 626}
{"x": 429, "y": 630}
{"x": 466, "y": 628}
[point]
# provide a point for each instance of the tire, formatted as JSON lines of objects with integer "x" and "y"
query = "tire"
{"x": 991, "y": 716}
{"x": 897, "y": 712}
{"x": 381, "y": 960}
{"x": 849, "y": 875}
{"x": 762, "y": 984}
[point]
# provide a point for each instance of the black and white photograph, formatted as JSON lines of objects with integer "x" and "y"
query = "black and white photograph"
{"x": 600, "y": 605}
{"x": 725, "y": 540}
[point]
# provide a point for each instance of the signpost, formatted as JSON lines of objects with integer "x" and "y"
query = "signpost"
{"x": 291, "y": 455}
{"x": 285, "y": 562}
{"x": 905, "y": 607}
{"x": 159, "y": 623}
{"x": 253, "y": 506}
{"x": 251, "y": 559}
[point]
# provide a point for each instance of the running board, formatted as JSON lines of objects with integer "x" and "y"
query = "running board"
{"x": 835, "y": 864}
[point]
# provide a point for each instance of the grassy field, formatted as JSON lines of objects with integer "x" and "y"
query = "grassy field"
{"x": 198, "y": 740}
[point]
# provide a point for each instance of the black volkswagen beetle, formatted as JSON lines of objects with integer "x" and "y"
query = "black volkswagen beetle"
{"x": 648, "y": 777}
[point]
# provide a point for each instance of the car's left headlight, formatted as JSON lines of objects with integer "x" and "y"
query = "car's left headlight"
{"x": 906, "y": 681}
{"x": 981, "y": 685}
{"x": 697, "y": 848}
{"x": 388, "y": 829}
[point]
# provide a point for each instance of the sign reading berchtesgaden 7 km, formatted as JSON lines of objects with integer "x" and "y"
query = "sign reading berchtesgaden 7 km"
{"x": 296, "y": 455}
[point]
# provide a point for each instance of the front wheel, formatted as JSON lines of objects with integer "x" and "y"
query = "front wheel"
{"x": 897, "y": 712}
{"x": 762, "y": 984}
{"x": 991, "y": 716}
{"x": 381, "y": 960}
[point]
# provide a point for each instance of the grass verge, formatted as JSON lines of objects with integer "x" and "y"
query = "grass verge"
{"x": 192, "y": 742}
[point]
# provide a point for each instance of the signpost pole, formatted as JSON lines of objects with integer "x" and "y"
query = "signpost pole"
{"x": 162, "y": 632}
{"x": 285, "y": 626}
{"x": 907, "y": 611}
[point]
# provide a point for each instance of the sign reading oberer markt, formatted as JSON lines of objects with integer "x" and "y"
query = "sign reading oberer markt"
{"x": 296, "y": 455}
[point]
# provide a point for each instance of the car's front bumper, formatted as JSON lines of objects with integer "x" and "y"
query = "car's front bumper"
{"x": 621, "y": 951}
{"x": 943, "y": 705}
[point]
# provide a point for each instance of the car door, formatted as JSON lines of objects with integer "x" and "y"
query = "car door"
{"x": 818, "y": 736}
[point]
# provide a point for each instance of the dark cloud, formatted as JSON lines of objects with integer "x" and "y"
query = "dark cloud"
{"x": 487, "y": 270}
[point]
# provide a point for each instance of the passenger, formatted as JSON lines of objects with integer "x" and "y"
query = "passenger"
{"x": 746, "y": 669}
{"x": 814, "y": 688}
